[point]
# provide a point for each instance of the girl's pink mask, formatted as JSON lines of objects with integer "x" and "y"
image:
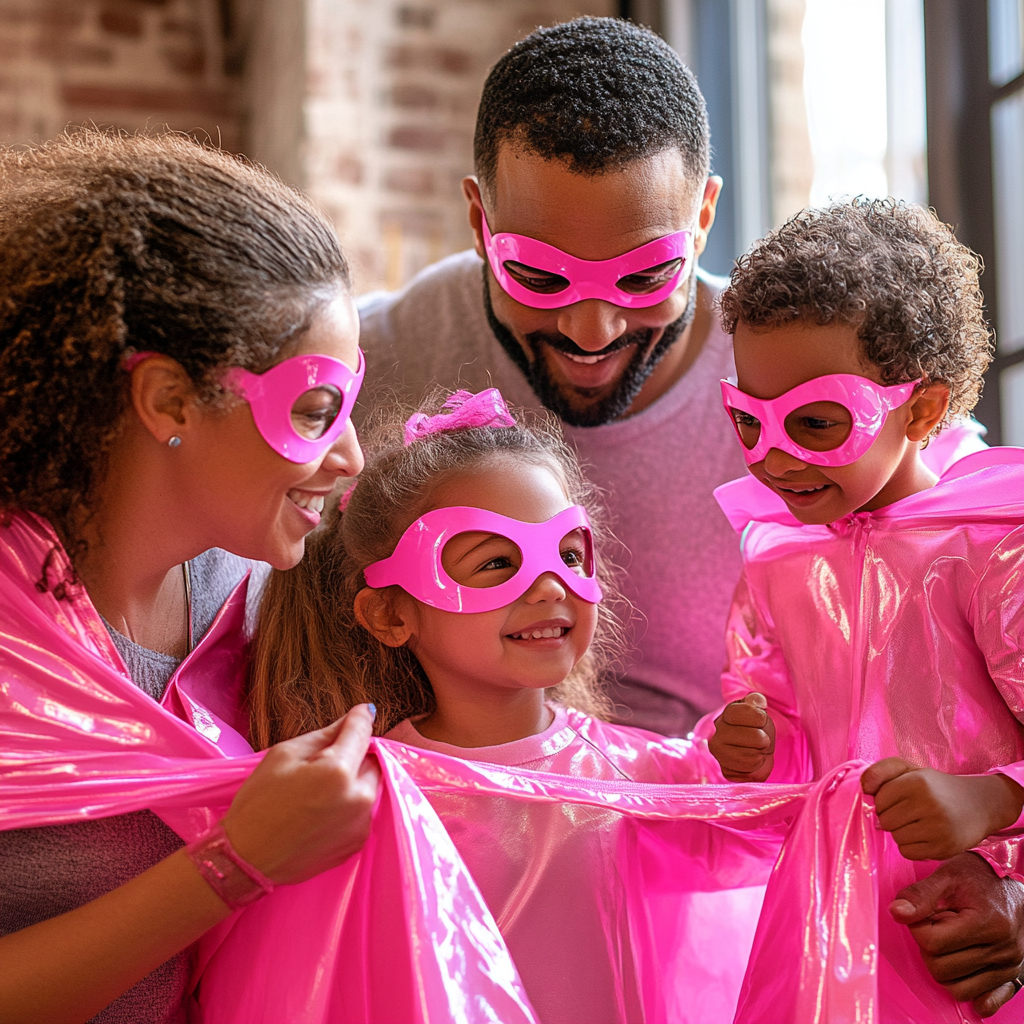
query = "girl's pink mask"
{"x": 272, "y": 396}
{"x": 868, "y": 404}
{"x": 416, "y": 564}
{"x": 585, "y": 279}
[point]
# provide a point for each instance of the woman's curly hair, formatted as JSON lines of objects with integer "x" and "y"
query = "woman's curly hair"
{"x": 312, "y": 660}
{"x": 892, "y": 270}
{"x": 111, "y": 244}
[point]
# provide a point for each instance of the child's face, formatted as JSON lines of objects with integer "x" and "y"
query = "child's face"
{"x": 500, "y": 648}
{"x": 771, "y": 362}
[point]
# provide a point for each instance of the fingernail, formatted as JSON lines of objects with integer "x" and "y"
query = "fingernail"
{"x": 373, "y": 710}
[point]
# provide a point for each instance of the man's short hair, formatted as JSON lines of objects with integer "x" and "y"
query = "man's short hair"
{"x": 595, "y": 93}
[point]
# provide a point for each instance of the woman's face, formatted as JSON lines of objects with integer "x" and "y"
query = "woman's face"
{"x": 256, "y": 503}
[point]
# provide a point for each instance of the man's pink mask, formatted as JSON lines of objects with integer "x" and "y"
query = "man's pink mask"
{"x": 416, "y": 564}
{"x": 867, "y": 403}
{"x": 573, "y": 280}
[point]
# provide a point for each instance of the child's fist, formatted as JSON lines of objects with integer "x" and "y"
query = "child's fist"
{"x": 934, "y": 816}
{"x": 744, "y": 740}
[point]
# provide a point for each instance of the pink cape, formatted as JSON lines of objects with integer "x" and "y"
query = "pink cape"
{"x": 400, "y": 931}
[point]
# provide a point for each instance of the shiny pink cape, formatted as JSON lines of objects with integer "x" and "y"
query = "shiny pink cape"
{"x": 898, "y": 632}
{"x": 400, "y": 931}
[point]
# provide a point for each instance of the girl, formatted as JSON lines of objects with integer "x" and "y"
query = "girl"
{"x": 461, "y": 590}
{"x": 881, "y": 611}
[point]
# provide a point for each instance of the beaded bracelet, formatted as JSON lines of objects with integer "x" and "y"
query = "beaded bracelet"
{"x": 233, "y": 879}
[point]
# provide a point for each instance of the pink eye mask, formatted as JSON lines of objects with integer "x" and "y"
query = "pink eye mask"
{"x": 867, "y": 402}
{"x": 585, "y": 279}
{"x": 416, "y": 565}
{"x": 272, "y": 396}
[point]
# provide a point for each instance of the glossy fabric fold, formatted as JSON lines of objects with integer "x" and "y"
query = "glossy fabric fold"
{"x": 898, "y": 632}
{"x": 402, "y": 931}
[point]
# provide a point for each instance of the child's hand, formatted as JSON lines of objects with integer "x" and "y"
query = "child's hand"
{"x": 744, "y": 740}
{"x": 934, "y": 816}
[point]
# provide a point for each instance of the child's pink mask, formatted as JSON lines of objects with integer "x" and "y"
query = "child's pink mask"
{"x": 867, "y": 403}
{"x": 301, "y": 406}
{"x": 416, "y": 564}
{"x": 586, "y": 279}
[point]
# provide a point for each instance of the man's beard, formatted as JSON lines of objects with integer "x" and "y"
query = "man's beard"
{"x": 617, "y": 403}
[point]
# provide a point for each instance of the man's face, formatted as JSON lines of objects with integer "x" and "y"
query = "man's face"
{"x": 588, "y": 361}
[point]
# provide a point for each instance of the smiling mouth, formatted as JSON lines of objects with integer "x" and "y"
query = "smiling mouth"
{"x": 304, "y": 499}
{"x": 599, "y": 357}
{"x": 548, "y": 633}
{"x": 802, "y": 490}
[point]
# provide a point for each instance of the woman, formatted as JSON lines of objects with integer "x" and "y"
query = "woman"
{"x": 147, "y": 284}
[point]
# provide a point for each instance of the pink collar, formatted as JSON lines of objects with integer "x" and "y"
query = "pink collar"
{"x": 983, "y": 485}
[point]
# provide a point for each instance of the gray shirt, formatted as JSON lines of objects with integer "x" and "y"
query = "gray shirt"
{"x": 657, "y": 468}
{"x": 50, "y": 870}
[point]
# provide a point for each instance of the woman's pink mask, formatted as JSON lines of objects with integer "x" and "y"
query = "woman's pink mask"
{"x": 573, "y": 280}
{"x": 761, "y": 424}
{"x": 301, "y": 406}
{"x": 416, "y": 564}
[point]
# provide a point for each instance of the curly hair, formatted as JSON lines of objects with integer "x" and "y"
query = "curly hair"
{"x": 311, "y": 658}
{"x": 892, "y": 270}
{"x": 595, "y": 93}
{"x": 111, "y": 244}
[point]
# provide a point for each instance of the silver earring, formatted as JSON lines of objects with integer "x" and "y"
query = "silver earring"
{"x": 174, "y": 441}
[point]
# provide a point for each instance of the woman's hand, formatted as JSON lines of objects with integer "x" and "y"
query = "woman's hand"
{"x": 935, "y": 816}
{"x": 744, "y": 740}
{"x": 307, "y": 806}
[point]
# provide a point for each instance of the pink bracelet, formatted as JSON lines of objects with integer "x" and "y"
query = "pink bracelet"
{"x": 234, "y": 880}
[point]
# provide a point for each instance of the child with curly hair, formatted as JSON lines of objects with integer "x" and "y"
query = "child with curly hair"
{"x": 880, "y": 614}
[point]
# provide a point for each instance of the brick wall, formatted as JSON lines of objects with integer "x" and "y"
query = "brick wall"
{"x": 129, "y": 63}
{"x": 391, "y": 94}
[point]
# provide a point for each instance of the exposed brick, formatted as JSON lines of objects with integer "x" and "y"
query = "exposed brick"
{"x": 57, "y": 16}
{"x": 431, "y": 58}
{"x": 106, "y": 97}
{"x": 60, "y": 51}
{"x": 186, "y": 60}
{"x": 349, "y": 170}
{"x": 415, "y": 17}
{"x": 414, "y": 97}
{"x": 121, "y": 21}
{"x": 411, "y": 181}
{"x": 416, "y": 137}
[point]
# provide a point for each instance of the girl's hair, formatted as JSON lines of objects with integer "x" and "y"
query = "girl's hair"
{"x": 110, "y": 244}
{"x": 312, "y": 660}
{"x": 890, "y": 269}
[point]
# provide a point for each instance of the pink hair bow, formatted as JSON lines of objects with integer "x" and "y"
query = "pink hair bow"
{"x": 461, "y": 411}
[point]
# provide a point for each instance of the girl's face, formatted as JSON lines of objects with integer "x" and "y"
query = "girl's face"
{"x": 253, "y": 501}
{"x": 771, "y": 362}
{"x": 536, "y": 641}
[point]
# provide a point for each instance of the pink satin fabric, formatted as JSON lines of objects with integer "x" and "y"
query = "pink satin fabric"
{"x": 898, "y": 632}
{"x": 401, "y": 931}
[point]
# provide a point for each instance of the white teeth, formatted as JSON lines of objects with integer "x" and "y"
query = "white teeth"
{"x": 541, "y": 634}
{"x": 313, "y": 502}
{"x": 586, "y": 360}
{"x": 804, "y": 490}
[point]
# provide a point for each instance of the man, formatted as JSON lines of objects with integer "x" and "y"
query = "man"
{"x": 592, "y": 145}
{"x": 636, "y": 386}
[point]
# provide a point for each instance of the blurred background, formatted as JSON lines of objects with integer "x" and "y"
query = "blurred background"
{"x": 369, "y": 106}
